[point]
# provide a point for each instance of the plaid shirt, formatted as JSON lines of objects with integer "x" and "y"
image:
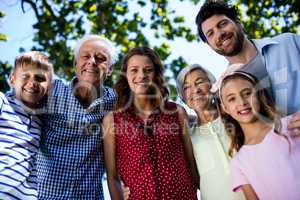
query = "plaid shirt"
{"x": 70, "y": 162}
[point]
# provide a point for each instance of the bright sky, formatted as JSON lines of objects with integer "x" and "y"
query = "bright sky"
{"x": 18, "y": 27}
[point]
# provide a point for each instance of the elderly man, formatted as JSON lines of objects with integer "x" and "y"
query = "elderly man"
{"x": 70, "y": 162}
{"x": 274, "y": 61}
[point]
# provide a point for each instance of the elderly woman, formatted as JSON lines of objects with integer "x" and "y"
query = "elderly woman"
{"x": 209, "y": 139}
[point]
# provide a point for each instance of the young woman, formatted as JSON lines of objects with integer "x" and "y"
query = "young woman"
{"x": 267, "y": 162}
{"x": 146, "y": 143}
{"x": 208, "y": 135}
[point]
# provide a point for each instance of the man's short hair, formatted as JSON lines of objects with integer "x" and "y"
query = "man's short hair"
{"x": 35, "y": 59}
{"x": 214, "y": 7}
{"x": 105, "y": 43}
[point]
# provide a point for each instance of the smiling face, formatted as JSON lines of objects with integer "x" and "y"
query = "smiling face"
{"x": 195, "y": 89}
{"x": 30, "y": 84}
{"x": 140, "y": 74}
{"x": 224, "y": 35}
{"x": 92, "y": 64}
{"x": 240, "y": 100}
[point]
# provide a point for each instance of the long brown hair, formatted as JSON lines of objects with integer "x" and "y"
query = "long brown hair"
{"x": 122, "y": 88}
{"x": 267, "y": 112}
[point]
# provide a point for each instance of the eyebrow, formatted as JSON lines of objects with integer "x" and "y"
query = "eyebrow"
{"x": 243, "y": 90}
{"x": 217, "y": 25}
{"x": 96, "y": 53}
{"x": 200, "y": 78}
{"x": 185, "y": 84}
{"x": 229, "y": 95}
{"x": 222, "y": 21}
{"x": 209, "y": 30}
{"x": 101, "y": 54}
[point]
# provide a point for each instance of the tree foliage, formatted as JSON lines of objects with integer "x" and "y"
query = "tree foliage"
{"x": 2, "y": 36}
{"x": 263, "y": 18}
{"x": 4, "y": 66}
{"x": 60, "y": 23}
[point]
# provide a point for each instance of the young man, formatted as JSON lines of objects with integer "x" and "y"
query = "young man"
{"x": 20, "y": 128}
{"x": 70, "y": 163}
{"x": 274, "y": 61}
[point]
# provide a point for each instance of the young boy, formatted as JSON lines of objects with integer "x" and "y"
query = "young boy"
{"x": 19, "y": 128}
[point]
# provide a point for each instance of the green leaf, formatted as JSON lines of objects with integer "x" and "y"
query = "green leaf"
{"x": 3, "y": 37}
{"x": 93, "y": 8}
{"x": 2, "y": 14}
{"x": 179, "y": 19}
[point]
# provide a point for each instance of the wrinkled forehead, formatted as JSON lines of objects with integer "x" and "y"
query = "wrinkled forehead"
{"x": 95, "y": 46}
{"x": 195, "y": 74}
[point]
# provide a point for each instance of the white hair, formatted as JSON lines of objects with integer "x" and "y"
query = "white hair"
{"x": 105, "y": 43}
{"x": 182, "y": 74}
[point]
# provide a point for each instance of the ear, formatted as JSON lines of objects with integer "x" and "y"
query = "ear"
{"x": 109, "y": 71}
{"x": 12, "y": 80}
{"x": 240, "y": 24}
{"x": 75, "y": 63}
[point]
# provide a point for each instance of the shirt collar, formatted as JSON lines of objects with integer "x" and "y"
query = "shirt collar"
{"x": 132, "y": 110}
{"x": 97, "y": 102}
{"x": 262, "y": 43}
{"x": 32, "y": 111}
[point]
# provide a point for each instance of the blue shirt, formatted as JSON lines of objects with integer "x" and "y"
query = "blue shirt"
{"x": 281, "y": 56}
{"x": 19, "y": 142}
{"x": 70, "y": 163}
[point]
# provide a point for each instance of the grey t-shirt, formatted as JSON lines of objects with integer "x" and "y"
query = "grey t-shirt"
{"x": 256, "y": 67}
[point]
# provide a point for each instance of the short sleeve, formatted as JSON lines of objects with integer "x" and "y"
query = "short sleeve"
{"x": 237, "y": 176}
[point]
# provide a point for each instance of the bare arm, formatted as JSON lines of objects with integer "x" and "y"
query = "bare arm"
{"x": 249, "y": 192}
{"x": 114, "y": 184}
{"x": 183, "y": 118}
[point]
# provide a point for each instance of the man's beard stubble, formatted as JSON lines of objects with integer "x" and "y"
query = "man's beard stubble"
{"x": 238, "y": 46}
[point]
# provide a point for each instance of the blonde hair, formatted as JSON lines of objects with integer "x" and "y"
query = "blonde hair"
{"x": 35, "y": 59}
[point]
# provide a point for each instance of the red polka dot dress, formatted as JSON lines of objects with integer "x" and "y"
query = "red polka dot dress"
{"x": 150, "y": 157}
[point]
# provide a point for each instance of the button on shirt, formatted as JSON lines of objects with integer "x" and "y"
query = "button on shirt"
{"x": 70, "y": 163}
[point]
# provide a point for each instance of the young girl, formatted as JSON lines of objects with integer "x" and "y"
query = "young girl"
{"x": 146, "y": 143}
{"x": 208, "y": 135}
{"x": 267, "y": 162}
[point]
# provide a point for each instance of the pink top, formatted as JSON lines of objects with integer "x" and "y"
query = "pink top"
{"x": 269, "y": 167}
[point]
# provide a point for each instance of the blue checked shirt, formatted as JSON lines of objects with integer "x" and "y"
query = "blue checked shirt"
{"x": 70, "y": 162}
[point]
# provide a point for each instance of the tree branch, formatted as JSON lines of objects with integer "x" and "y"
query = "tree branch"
{"x": 33, "y": 6}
